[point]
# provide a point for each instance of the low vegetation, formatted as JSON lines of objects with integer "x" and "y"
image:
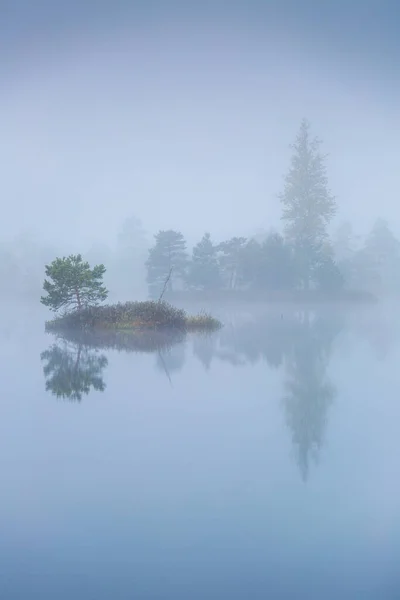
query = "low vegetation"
{"x": 202, "y": 322}
{"x": 133, "y": 316}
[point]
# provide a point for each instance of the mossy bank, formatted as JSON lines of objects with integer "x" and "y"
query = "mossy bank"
{"x": 135, "y": 317}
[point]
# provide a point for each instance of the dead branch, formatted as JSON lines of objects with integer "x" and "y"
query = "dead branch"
{"x": 165, "y": 285}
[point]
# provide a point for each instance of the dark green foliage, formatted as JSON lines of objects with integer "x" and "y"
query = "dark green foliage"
{"x": 70, "y": 373}
{"x": 204, "y": 272}
{"x": 307, "y": 205}
{"x": 168, "y": 252}
{"x": 73, "y": 285}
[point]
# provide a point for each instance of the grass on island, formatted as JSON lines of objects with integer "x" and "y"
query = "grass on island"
{"x": 134, "y": 317}
{"x": 202, "y": 322}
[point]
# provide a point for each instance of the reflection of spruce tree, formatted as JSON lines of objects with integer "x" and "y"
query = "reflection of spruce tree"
{"x": 204, "y": 348}
{"x": 309, "y": 393}
{"x": 70, "y": 373}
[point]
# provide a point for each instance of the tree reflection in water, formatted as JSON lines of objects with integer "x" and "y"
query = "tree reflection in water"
{"x": 75, "y": 363}
{"x": 308, "y": 391}
{"x": 72, "y": 370}
{"x": 300, "y": 343}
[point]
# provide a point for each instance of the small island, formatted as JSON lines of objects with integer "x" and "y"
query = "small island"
{"x": 134, "y": 316}
{"x": 77, "y": 289}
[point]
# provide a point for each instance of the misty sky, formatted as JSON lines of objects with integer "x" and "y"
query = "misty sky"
{"x": 183, "y": 116}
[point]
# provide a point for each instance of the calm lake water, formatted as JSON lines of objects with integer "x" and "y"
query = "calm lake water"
{"x": 260, "y": 462}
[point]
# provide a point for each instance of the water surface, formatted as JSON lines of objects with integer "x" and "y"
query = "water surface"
{"x": 261, "y": 461}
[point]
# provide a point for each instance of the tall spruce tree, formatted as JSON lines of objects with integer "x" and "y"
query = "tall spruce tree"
{"x": 308, "y": 206}
{"x": 204, "y": 271}
{"x": 168, "y": 253}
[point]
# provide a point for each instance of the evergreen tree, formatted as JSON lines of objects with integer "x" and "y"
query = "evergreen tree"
{"x": 168, "y": 253}
{"x": 268, "y": 265}
{"x": 277, "y": 264}
{"x": 327, "y": 274}
{"x": 251, "y": 263}
{"x": 381, "y": 259}
{"x": 73, "y": 284}
{"x": 345, "y": 248}
{"x": 231, "y": 261}
{"x": 204, "y": 269}
{"x": 308, "y": 206}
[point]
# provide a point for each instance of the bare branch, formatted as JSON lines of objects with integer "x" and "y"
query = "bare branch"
{"x": 165, "y": 285}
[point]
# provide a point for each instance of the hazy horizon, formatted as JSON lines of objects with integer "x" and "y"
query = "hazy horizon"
{"x": 185, "y": 120}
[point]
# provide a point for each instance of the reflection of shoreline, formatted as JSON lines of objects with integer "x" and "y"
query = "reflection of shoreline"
{"x": 146, "y": 341}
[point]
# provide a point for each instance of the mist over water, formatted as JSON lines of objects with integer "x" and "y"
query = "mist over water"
{"x": 260, "y": 460}
{"x": 214, "y": 466}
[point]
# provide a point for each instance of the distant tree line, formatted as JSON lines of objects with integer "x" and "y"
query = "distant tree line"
{"x": 304, "y": 256}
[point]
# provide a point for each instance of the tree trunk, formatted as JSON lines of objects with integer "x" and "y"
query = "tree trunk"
{"x": 78, "y": 298}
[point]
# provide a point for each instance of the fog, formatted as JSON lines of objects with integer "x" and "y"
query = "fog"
{"x": 259, "y": 454}
{"x": 186, "y": 124}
